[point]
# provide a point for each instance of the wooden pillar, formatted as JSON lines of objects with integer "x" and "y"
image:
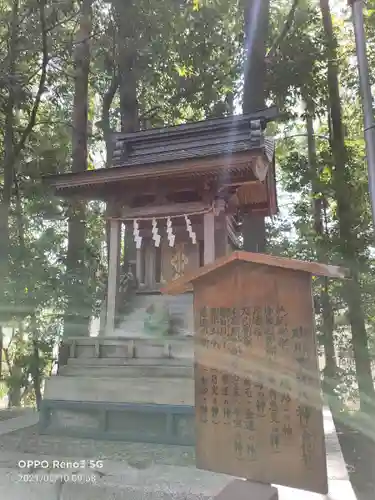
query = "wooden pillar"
{"x": 150, "y": 265}
{"x": 209, "y": 237}
{"x": 221, "y": 235}
{"x": 113, "y": 271}
{"x": 130, "y": 251}
{"x": 138, "y": 266}
{"x": 254, "y": 233}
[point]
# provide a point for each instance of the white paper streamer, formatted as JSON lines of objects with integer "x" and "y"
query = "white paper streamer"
{"x": 155, "y": 233}
{"x": 192, "y": 234}
{"x": 137, "y": 238}
{"x": 171, "y": 236}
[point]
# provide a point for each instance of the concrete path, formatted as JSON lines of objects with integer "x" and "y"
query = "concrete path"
{"x": 30, "y": 417}
{"x": 120, "y": 481}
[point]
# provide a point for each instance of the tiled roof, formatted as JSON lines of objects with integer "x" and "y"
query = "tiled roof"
{"x": 233, "y": 134}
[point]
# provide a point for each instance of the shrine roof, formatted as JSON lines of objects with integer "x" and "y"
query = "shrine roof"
{"x": 220, "y": 136}
{"x": 184, "y": 283}
{"x": 166, "y": 150}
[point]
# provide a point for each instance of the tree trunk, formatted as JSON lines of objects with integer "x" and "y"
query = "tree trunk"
{"x": 8, "y": 165}
{"x": 36, "y": 374}
{"x": 128, "y": 93}
{"x": 325, "y": 300}
{"x": 126, "y": 66}
{"x": 14, "y": 382}
{"x": 108, "y": 134}
{"x": 256, "y": 33}
{"x": 14, "y": 391}
{"x": 346, "y": 219}
{"x": 77, "y": 317}
{"x": 106, "y": 123}
{"x": 125, "y": 80}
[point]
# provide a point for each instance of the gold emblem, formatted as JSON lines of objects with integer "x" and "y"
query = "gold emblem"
{"x": 179, "y": 260}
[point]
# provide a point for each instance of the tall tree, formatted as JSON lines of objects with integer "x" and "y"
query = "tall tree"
{"x": 346, "y": 216}
{"x": 8, "y": 160}
{"x": 15, "y": 136}
{"x": 256, "y": 35}
{"x": 326, "y": 308}
{"x": 77, "y": 316}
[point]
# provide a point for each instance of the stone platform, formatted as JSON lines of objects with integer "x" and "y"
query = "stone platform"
{"x": 136, "y": 389}
{"x": 121, "y": 479}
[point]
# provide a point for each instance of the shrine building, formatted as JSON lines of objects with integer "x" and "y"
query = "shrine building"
{"x": 175, "y": 200}
{"x": 179, "y": 193}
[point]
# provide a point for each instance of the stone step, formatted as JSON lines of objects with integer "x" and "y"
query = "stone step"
{"x": 169, "y": 391}
{"x": 132, "y": 371}
{"x": 103, "y": 347}
{"x": 115, "y": 339}
{"x": 187, "y": 361}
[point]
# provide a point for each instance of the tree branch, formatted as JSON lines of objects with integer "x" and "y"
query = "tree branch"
{"x": 65, "y": 20}
{"x": 107, "y": 100}
{"x": 287, "y": 25}
{"x": 7, "y": 360}
{"x": 28, "y": 129}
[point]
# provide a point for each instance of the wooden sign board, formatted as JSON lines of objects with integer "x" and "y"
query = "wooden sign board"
{"x": 258, "y": 402}
{"x": 257, "y": 391}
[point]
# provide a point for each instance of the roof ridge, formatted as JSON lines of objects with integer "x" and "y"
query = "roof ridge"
{"x": 265, "y": 115}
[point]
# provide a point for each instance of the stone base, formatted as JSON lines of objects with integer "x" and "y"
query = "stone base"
{"x": 160, "y": 390}
{"x": 150, "y": 423}
{"x": 127, "y": 389}
{"x": 247, "y": 490}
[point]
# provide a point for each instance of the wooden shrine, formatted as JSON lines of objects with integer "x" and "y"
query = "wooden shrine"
{"x": 174, "y": 200}
{"x": 258, "y": 402}
{"x": 175, "y": 197}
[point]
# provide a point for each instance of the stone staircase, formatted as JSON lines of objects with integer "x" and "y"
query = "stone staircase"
{"x": 123, "y": 388}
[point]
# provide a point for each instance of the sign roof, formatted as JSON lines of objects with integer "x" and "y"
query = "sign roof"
{"x": 185, "y": 283}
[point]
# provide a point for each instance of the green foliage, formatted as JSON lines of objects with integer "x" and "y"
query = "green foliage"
{"x": 185, "y": 59}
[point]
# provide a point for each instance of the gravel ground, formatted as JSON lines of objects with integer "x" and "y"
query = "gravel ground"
{"x": 6, "y": 414}
{"x": 136, "y": 454}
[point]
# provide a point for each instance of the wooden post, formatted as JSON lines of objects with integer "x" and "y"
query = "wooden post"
{"x": 221, "y": 235}
{"x": 150, "y": 265}
{"x": 130, "y": 250}
{"x": 209, "y": 237}
{"x": 114, "y": 253}
{"x": 138, "y": 266}
{"x": 254, "y": 233}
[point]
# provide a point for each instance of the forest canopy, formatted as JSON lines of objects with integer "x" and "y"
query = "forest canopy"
{"x": 74, "y": 72}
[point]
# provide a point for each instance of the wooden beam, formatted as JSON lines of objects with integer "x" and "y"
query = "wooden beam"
{"x": 179, "y": 230}
{"x": 237, "y": 161}
{"x": 164, "y": 210}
